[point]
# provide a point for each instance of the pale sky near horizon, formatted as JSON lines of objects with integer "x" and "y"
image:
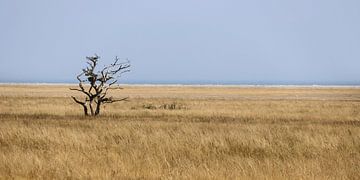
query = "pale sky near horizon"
{"x": 215, "y": 41}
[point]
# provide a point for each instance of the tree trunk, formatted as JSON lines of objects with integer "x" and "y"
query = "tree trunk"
{"x": 85, "y": 110}
{"x": 91, "y": 108}
{"x": 97, "y": 111}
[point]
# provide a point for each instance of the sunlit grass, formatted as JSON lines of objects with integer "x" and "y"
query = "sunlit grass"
{"x": 299, "y": 133}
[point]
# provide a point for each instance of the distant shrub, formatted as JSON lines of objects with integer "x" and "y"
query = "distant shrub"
{"x": 173, "y": 106}
{"x": 149, "y": 106}
{"x": 166, "y": 106}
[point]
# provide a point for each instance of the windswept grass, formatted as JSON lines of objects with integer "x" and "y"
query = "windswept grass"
{"x": 216, "y": 133}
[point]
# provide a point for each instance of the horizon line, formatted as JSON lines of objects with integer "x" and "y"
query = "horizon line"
{"x": 198, "y": 82}
{"x": 195, "y": 85}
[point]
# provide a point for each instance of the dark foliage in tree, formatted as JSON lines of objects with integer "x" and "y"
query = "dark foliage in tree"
{"x": 95, "y": 84}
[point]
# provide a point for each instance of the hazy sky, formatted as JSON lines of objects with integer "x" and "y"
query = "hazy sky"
{"x": 218, "y": 41}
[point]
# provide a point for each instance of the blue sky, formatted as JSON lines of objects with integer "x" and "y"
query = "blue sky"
{"x": 227, "y": 41}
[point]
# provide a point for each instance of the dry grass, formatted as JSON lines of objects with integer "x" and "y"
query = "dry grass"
{"x": 215, "y": 133}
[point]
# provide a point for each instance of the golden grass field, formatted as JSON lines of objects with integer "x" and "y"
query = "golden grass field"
{"x": 213, "y": 133}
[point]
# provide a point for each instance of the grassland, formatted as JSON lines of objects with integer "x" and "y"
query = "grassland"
{"x": 211, "y": 133}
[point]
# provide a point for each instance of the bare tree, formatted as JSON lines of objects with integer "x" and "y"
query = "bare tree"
{"x": 95, "y": 85}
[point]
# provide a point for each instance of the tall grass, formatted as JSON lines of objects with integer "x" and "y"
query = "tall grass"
{"x": 222, "y": 133}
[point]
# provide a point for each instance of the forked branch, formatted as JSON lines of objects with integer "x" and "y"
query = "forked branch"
{"x": 99, "y": 84}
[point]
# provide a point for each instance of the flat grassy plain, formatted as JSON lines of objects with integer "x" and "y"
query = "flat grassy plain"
{"x": 207, "y": 133}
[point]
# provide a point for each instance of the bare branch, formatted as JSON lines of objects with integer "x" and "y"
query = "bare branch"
{"x": 112, "y": 83}
{"x": 111, "y": 100}
{"x": 73, "y": 89}
{"x": 81, "y": 90}
{"x": 77, "y": 101}
{"x": 99, "y": 83}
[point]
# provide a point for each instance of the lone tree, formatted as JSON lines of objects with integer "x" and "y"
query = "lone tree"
{"x": 95, "y": 84}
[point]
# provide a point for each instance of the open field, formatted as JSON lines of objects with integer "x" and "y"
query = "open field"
{"x": 210, "y": 133}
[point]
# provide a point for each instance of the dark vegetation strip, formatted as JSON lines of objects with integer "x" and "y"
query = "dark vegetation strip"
{"x": 178, "y": 118}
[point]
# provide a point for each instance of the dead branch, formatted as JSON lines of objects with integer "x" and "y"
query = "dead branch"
{"x": 99, "y": 83}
